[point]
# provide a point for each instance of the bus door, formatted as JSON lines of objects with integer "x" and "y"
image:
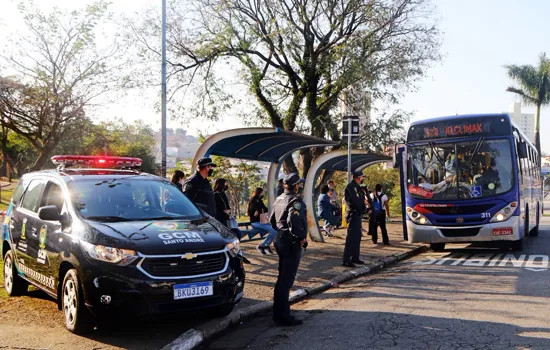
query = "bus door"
{"x": 400, "y": 155}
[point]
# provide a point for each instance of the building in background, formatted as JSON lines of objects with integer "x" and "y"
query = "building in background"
{"x": 524, "y": 121}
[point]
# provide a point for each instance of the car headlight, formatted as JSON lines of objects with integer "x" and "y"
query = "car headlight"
{"x": 109, "y": 254}
{"x": 505, "y": 213}
{"x": 234, "y": 248}
{"x": 417, "y": 218}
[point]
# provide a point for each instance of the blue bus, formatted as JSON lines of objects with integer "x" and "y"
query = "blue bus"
{"x": 469, "y": 178}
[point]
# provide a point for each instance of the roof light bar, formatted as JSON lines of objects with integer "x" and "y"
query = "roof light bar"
{"x": 96, "y": 161}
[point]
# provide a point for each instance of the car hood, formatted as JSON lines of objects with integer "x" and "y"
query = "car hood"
{"x": 161, "y": 237}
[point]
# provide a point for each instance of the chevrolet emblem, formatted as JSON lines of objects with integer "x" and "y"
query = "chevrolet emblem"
{"x": 189, "y": 256}
{"x": 459, "y": 220}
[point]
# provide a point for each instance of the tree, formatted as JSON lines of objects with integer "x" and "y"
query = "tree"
{"x": 295, "y": 57}
{"x": 61, "y": 71}
{"x": 534, "y": 88}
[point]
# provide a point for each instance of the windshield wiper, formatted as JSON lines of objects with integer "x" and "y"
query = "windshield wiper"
{"x": 175, "y": 217}
{"x": 107, "y": 218}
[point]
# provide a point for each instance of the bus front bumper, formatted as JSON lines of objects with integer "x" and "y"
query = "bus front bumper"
{"x": 508, "y": 230}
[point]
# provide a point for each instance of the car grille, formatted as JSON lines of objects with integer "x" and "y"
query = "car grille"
{"x": 462, "y": 232}
{"x": 178, "y": 267}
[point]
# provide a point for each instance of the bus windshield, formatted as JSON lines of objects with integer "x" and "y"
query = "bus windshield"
{"x": 460, "y": 170}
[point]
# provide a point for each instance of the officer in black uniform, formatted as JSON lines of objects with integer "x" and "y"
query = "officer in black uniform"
{"x": 198, "y": 188}
{"x": 355, "y": 208}
{"x": 289, "y": 218}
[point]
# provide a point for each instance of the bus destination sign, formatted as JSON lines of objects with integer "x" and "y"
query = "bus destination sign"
{"x": 459, "y": 128}
{"x": 456, "y": 130}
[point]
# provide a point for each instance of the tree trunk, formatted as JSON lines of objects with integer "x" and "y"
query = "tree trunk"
{"x": 40, "y": 162}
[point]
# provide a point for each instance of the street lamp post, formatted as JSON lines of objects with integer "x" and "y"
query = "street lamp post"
{"x": 163, "y": 94}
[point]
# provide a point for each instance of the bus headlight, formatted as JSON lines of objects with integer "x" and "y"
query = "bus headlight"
{"x": 505, "y": 213}
{"x": 417, "y": 218}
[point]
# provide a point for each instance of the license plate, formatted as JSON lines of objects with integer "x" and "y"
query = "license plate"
{"x": 503, "y": 231}
{"x": 193, "y": 290}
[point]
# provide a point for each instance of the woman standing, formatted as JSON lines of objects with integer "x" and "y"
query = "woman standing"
{"x": 256, "y": 211}
{"x": 177, "y": 179}
{"x": 223, "y": 210}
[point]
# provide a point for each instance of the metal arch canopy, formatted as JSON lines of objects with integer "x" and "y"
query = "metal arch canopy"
{"x": 336, "y": 161}
{"x": 257, "y": 144}
{"x": 271, "y": 145}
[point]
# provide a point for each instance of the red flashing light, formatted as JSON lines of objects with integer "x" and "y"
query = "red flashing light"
{"x": 97, "y": 161}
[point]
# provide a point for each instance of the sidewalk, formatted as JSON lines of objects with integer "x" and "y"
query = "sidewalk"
{"x": 321, "y": 264}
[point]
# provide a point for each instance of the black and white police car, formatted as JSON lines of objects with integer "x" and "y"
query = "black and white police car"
{"x": 104, "y": 241}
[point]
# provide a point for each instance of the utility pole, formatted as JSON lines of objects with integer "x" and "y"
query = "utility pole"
{"x": 163, "y": 94}
{"x": 350, "y": 128}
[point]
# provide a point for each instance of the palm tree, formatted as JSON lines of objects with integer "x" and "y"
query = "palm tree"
{"x": 534, "y": 87}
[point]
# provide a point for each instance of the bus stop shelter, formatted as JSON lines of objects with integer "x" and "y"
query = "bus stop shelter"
{"x": 335, "y": 161}
{"x": 272, "y": 145}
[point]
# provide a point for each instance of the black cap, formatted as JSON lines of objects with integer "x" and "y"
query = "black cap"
{"x": 205, "y": 162}
{"x": 293, "y": 179}
{"x": 357, "y": 173}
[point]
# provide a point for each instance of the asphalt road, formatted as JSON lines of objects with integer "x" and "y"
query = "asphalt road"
{"x": 463, "y": 298}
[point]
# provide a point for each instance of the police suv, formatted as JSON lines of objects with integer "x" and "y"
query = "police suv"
{"x": 105, "y": 241}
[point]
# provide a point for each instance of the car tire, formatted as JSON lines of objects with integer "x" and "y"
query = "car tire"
{"x": 77, "y": 316}
{"x": 13, "y": 283}
{"x": 437, "y": 247}
{"x": 222, "y": 311}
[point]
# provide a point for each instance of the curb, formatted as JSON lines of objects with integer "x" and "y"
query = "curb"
{"x": 192, "y": 338}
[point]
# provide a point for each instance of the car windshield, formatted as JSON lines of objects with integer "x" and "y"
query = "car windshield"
{"x": 463, "y": 170}
{"x": 131, "y": 198}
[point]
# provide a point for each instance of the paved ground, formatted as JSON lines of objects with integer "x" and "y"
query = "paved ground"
{"x": 463, "y": 298}
{"x": 33, "y": 321}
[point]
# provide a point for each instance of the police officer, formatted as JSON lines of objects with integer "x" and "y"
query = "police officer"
{"x": 355, "y": 208}
{"x": 290, "y": 220}
{"x": 198, "y": 188}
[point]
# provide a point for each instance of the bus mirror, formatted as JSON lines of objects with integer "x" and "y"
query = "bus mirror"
{"x": 522, "y": 150}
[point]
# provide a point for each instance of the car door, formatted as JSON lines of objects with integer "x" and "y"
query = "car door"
{"x": 26, "y": 215}
{"x": 51, "y": 239}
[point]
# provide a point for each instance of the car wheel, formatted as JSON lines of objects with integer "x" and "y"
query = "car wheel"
{"x": 77, "y": 317}
{"x": 437, "y": 247}
{"x": 13, "y": 284}
{"x": 222, "y": 311}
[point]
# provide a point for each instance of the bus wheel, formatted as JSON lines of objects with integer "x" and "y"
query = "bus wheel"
{"x": 517, "y": 245}
{"x": 437, "y": 247}
{"x": 535, "y": 231}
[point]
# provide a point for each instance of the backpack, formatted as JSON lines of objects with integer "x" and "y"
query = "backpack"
{"x": 377, "y": 204}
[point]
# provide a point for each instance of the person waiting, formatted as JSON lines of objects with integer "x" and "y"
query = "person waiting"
{"x": 257, "y": 212}
{"x": 325, "y": 210}
{"x": 177, "y": 179}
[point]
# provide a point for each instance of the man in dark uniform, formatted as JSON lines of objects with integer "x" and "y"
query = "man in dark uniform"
{"x": 289, "y": 218}
{"x": 198, "y": 188}
{"x": 355, "y": 208}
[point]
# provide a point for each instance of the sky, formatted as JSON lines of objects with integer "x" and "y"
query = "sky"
{"x": 480, "y": 37}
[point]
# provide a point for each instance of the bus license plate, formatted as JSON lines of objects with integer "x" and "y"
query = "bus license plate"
{"x": 193, "y": 290}
{"x": 503, "y": 231}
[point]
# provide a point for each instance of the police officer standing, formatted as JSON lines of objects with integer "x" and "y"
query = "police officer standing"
{"x": 290, "y": 220}
{"x": 355, "y": 208}
{"x": 198, "y": 188}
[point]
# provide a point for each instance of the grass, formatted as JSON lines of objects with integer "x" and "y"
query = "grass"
{"x": 7, "y": 193}
{"x": 3, "y": 293}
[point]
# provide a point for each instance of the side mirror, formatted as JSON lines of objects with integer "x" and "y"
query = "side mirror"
{"x": 522, "y": 150}
{"x": 49, "y": 213}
